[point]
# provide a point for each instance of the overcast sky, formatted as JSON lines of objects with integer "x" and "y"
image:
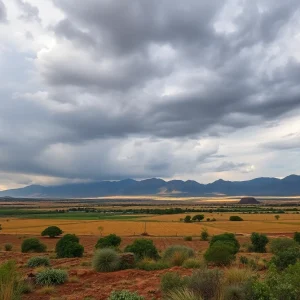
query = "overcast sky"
{"x": 110, "y": 89}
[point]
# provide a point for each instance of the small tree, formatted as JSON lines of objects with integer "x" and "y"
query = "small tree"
{"x": 108, "y": 241}
{"x": 235, "y": 218}
{"x": 100, "y": 228}
{"x": 187, "y": 219}
{"x": 32, "y": 245}
{"x": 227, "y": 238}
{"x": 277, "y": 217}
{"x": 259, "y": 242}
{"x": 143, "y": 248}
{"x": 220, "y": 253}
{"x": 198, "y": 218}
{"x": 204, "y": 234}
{"x": 297, "y": 237}
{"x": 68, "y": 246}
{"x": 52, "y": 231}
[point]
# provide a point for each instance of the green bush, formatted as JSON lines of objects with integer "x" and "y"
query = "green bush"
{"x": 177, "y": 254}
{"x": 198, "y": 218}
{"x": 33, "y": 245}
{"x": 10, "y": 281}
{"x": 193, "y": 263}
{"x": 152, "y": 265}
{"x": 68, "y": 246}
{"x": 220, "y": 253}
{"x": 204, "y": 235}
{"x": 172, "y": 281}
{"x": 124, "y": 295}
{"x": 235, "y": 218}
{"x": 182, "y": 294}
{"x": 228, "y": 238}
{"x": 259, "y": 242}
{"x": 234, "y": 292}
{"x": 297, "y": 237}
{"x": 51, "y": 277}
{"x": 143, "y": 248}
{"x": 187, "y": 219}
{"x": 285, "y": 258}
{"x": 282, "y": 244}
{"x": 106, "y": 260}
{"x": 206, "y": 283}
{"x": 52, "y": 231}
{"x": 188, "y": 238}
{"x": 38, "y": 261}
{"x": 108, "y": 241}
{"x": 8, "y": 247}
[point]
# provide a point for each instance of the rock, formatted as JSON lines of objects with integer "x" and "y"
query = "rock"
{"x": 248, "y": 200}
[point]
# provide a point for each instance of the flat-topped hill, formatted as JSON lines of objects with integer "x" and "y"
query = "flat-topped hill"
{"x": 248, "y": 200}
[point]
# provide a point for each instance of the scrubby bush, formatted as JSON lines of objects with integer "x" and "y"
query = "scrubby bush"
{"x": 108, "y": 241}
{"x": 198, "y": 218}
{"x": 143, "y": 248}
{"x": 204, "y": 235}
{"x": 68, "y": 246}
{"x": 287, "y": 257}
{"x": 297, "y": 237}
{"x": 187, "y": 219}
{"x": 10, "y": 281}
{"x": 51, "y": 277}
{"x": 188, "y": 238}
{"x": 237, "y": 276}
{"x": 259, "y": 242}
{"x": 234, "y": 292}
{"x": 149, "y": 264}
{"x": 177, "y": 254}
{"x": 206, "y": 283}
{"x": 8, "y": 247}
{"x": 172, "y": 281}
{"x": 193, "y": 263}
{"x": 227, "y": 238}
{"x": 182, "y": 294}
{"x": 220, "y": 253}
{"x": 244, "y": 260}
{"x": 235, "y": 218}
{"x": 124, "y": 295}
{"x": 106, "y": 260}
{"x": 282, "y": 244}
{"x": 52, "y": 231}
{"x": 38, "y": 261}
{"x": 33, "y": 245}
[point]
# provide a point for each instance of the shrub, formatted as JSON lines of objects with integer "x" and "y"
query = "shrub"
{"x": 235, "y": 218}
{"x": 68, "y": 246}
{"x": 297, "y": 237}
{"x": 193, "y": 263}
{"x": 220, "y": 254}
{"x": 282, "y": 244}
{"x": 234, "y": 292}
{"x": 52, "y": 231}
{"x": 259, "y": 242}
{"x": 10, "y": 281}
{"x": 51, "y": 277}
{"x": 152, "y": 265}
{"x": 182, "y": 294}
{"x": 244, "y": 260}
{"x": 38, "y": 261}
{"x": 188, "y": 238}
{"x": 285, "y": 258}
{"x": 204, "y": 235}
{"x": 236, "y": 276}
{"x": 228, "y": 238}
{"x": 106, "y": 260}
{"x": 143, "y": 248}
{"x": 172, "y": 281}
{"x": 8, "y": 247}
{"x": 206, "y": 283}
{"x": 124, "y": 295}
{"x": 177, "y": 254}
{"x": 108, "y": 241}
{"x": 33, "y": 245}
{"x": 198, "y": 218}
{"x": 187, "y": 219}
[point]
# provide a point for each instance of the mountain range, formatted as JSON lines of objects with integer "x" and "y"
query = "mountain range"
{"x": 288, "y": 186}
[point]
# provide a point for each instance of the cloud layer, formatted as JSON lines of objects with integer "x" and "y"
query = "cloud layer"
{"x": 103, "y": 89}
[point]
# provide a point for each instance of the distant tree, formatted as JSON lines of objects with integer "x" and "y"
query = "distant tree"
{"x": 277, "y": 217}
{"x": 235, "y": 218}
{"x": 52, "y": 231}
{"x": 259, "y": 242}
{"x": 108, "y": 241}
{"x": 100, "y": 228}
{"x": 204, "y": 234}
{"x": 297, "y": 237}
{"x": 198, "y": 218}
{"x": 0, "y": 227}
{"x": 187, "y": 219}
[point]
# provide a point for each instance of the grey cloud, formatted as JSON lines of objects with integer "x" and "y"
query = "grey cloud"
{"x": 3, "y": 15}
{"x": 231, "y": 166}
{"x": 285, "y": 143}
{"x": 29, "y": 12}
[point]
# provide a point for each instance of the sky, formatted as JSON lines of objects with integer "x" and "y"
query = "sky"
{"x": 108, "y": 89}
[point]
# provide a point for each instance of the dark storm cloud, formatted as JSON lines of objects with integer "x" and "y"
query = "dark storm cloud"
{"x": 2, "y": 12}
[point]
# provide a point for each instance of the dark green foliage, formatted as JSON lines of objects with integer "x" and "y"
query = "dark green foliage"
{"x": 282, "y": 244}
{"x": 297, "y": 237}
{"x": 187, "y": 219}
{"x": 234, "y": 292}
{"x": 198, "y": 218}
{"x": 258, "y": 290}
{"x": 220, "y": 253}
{"x": 152, "y": 265}
{"x": 51, "y": 277}
{"x": 235, "y": 218}
{"x": 227, "y": 238}
{"x": 172, "y": 281}
{"x": 124, "y": 295}
{"x": 188, "y": 238}
{"x": 108, "y": 241}
{"x": 38, "y": 261}
{"x": 8, "y": 247}
{"x": 143, "y": 248}
{"x": 206, "y": 283}
{"x": 68, "y": 246}
{"x": 204, "y": 235}
{"x": 52, "y": 231}
{"x": 106, "y": 260}
{"x": 286, "y": 257}
{"x": 33, "y": 245}
{"x": 244, "y": 260}
{"x": 259, "y": 242}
